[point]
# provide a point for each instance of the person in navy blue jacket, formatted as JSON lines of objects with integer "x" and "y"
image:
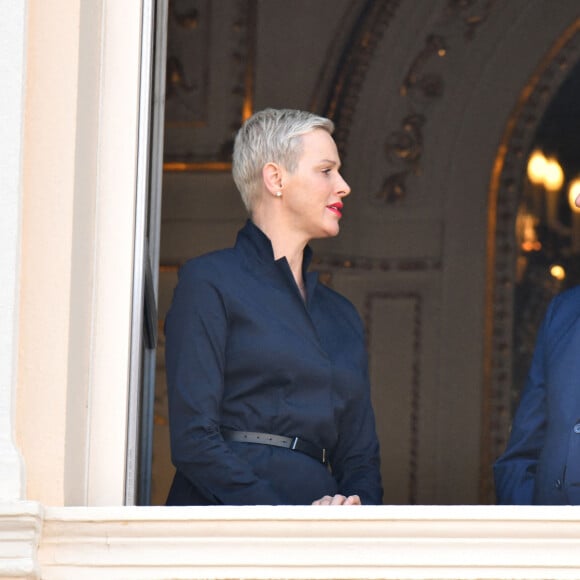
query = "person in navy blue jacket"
{"x": 541, "y": 464}
{"x": 269, "y": 398}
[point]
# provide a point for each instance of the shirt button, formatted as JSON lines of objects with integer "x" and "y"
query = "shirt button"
{"x": 558, "y": 484}
{"x": 577, "y": 428}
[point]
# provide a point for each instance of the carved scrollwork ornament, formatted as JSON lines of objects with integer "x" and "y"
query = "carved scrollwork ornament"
{"x": 394, "y": 188}
{"x": 422, "y": 86}
{"x": 406, "y": 144}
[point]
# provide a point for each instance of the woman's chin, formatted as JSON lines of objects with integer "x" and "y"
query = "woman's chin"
{"x": 332, "y": 230}
{"x": 326, "y": 231}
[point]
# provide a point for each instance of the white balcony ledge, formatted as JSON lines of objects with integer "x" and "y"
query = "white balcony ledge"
{"x": 290, "y": 542}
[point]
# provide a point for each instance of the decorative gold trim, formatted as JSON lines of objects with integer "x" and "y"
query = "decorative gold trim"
{"x": 347, "y": 83}
{"x": 329, "y": 264}
{"x": 221, "y": 163}
{"x": 421, "y": 87}
{"x": 250, "y": 71}
{"x": 169, "y": 268}
{"x": 197, "y": 166}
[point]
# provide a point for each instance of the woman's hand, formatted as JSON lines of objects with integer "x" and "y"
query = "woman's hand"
{"x": 338, "y": 500}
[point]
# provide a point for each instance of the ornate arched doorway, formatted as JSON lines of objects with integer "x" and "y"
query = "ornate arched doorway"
{"x": 507, "y": 188}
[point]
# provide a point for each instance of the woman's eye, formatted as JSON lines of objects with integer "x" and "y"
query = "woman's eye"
{"x": 326, "y": 171}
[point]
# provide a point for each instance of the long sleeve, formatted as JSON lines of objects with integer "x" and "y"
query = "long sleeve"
{"x": 245, "y": 352}
{"x": 356, "y": 462}
{"x": 515, "y": 470}
{"x": 196, "y": 334}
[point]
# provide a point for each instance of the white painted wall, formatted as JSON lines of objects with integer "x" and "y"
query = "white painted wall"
{"x": 12, "y": 72}
{"x": 80, "y": 152}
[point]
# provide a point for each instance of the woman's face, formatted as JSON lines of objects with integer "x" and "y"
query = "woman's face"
{"x": 313, "y": 193}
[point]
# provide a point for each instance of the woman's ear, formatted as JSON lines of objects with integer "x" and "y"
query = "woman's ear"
{"x": 272, "y": 176}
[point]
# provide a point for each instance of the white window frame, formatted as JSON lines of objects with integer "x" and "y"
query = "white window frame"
{"x": 123, "y": 178}
{"x": 146, "y": 258}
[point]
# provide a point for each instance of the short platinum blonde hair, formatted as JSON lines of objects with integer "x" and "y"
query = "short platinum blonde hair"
{"x": 270, "y": 136}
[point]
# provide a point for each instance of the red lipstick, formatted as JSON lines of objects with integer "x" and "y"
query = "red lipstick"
{"x": 336, "y": 208}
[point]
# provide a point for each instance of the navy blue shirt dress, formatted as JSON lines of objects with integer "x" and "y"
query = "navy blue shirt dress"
{"x": 245, "y": 352}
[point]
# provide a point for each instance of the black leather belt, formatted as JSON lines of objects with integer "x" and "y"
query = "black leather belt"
{"x": 293, "y": 443}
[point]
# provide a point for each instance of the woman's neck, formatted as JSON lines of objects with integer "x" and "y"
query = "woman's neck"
{"x": 285, "y": 244}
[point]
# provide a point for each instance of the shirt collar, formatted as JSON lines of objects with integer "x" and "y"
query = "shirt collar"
{"x": 253, "y": 240}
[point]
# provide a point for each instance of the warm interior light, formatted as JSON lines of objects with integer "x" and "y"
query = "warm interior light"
{"x": 537, "y": 167}
{"x": 558, "y": 272}
{"x": 574, "y": 194}
{"x": 554, "y": 176}
{"x": 526, "y": 230}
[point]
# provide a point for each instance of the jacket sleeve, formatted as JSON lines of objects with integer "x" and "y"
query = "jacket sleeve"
{"x": 196, "y": 334}
{"x": 356, "y": 458}
{"x": 515, "y": 470}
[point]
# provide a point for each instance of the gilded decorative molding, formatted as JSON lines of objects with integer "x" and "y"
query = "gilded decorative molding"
{"x": 330, "y": 263}
{"x": 404, "y": 146}
{"x": 199, "y": 166}
{"x": 473, "y": 13}
{"x": 186, "y": 86}
{"x": 421, "y": 86}
{"x": 373, "y": 20}
{"x": 191, "y": 41}
{"x": 504, "y": 192}
{"x": 430, "y": 85}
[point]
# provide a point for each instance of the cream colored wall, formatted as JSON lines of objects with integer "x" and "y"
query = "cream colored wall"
{"x": 80, "y": 144}
{"x": 48, "y": 186}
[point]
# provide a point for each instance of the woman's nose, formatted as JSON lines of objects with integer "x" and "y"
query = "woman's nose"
{"x": 344, "y": 188}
